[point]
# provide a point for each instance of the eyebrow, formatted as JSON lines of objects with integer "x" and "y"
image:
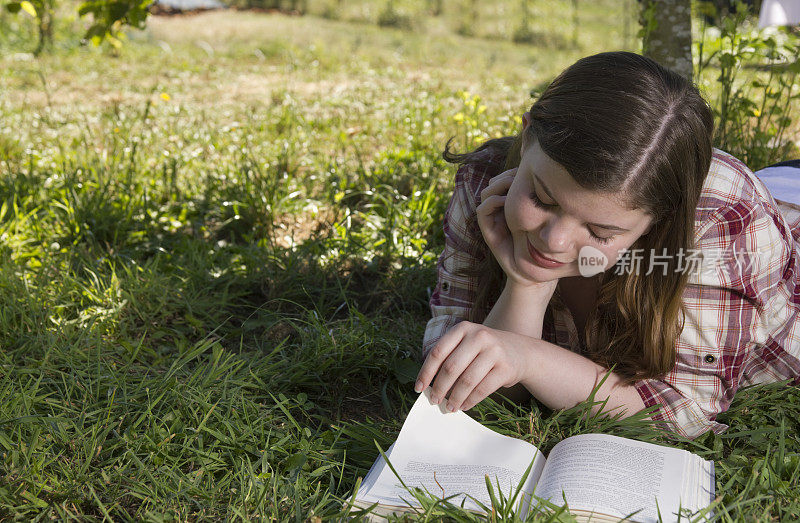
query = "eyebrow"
{"x": 601, "y": 225}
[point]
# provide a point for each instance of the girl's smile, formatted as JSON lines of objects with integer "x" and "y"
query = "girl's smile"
{"x": 541, "y": 259}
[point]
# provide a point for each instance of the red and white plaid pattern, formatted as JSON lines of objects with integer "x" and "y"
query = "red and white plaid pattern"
{"x": 741, "y": 327}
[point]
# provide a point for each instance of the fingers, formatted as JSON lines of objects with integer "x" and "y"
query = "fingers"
{"x": 452, "y": 369}
{"x": 446, "y": 344}
{"x": 492, "y": 382}
{"x": 491, "y": 204}
{"x": 469, "y": 380}
{"x": 465, "y": 366}
{"x": 492, "y": 223}
{"x": 499, "y": 184}
{"x": 493, "y": 199}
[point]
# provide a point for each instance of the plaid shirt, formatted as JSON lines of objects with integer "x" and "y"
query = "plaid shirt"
{"x": 741, "y": 325}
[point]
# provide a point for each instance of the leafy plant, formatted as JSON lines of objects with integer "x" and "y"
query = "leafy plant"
{"x": 751, "y": 79}
{"x": 110, "y": 16}
{"x": 43, "y": 11}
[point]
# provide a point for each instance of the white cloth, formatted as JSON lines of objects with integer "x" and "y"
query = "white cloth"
{"x": 783, "y": 182}
{"x": 779, "y": 12}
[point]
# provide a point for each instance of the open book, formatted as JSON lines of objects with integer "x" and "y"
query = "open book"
{"x": 601, "y": 477}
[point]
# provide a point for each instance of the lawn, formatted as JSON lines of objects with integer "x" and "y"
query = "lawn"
{"x": 218, "y": 245}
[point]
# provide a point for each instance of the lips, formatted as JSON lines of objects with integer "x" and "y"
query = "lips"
{"x": 541, "y": 259}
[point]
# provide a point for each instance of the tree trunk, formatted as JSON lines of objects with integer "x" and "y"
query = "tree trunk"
{"x": 45, "y": 19}
{"x": 667, "y": 31}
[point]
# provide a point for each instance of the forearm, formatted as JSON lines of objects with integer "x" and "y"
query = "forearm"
{"x": 472, "y": 361}
{"x": 520, "y": 310}
{"x": 561, "y": 379}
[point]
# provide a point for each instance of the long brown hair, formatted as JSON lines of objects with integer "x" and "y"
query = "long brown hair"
{"x": 620, "y": 122}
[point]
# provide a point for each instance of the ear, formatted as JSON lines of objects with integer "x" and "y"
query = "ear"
{"x": 526, "y": 123}
{"x": 648, "y": 227}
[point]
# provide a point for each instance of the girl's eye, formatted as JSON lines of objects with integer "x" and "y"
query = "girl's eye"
{"x": 600, "y": 239}
{"x": 539, "y": 203}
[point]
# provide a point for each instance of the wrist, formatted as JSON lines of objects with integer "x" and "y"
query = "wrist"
{"x": 528, "y": 365}
{"x": 520, "y": 309}
{"x": 530, "y": 292}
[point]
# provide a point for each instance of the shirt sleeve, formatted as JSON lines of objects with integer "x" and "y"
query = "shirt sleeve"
{"x": 745, "y": 257}
{"x": 455, "y": 293}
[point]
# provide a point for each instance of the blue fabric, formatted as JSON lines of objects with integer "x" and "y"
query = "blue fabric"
{"x": 782, "y": 180}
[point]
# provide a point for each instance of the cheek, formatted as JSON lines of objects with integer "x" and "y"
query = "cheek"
{"x": 519, "y": 212}
{"x": 612, "y": 254}
{"x": 511, "y": 211}
{"x": 614, "y": 249}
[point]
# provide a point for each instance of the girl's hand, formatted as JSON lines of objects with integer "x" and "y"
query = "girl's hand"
{"x": 492, "y": 222}
{"x": 471, "y": 361}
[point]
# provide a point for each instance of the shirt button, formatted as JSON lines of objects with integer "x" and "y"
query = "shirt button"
{"x": 710, "y": 358}
{"x": 445, "y": 286}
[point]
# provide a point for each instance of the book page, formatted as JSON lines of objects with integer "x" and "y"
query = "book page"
{"x": 701, "y": 482}
{"x": 447, "y": 454}
{"x": 618, "y": 476}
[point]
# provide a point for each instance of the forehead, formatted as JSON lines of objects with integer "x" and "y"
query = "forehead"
{"x": 552, "y": 180}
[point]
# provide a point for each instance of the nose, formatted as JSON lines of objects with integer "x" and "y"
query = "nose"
{"x": 556, "y": 235}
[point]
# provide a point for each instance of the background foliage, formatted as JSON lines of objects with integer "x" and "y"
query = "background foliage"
{"x": 750, "y": 78}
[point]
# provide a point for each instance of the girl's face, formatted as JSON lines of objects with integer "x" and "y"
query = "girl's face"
{"x": 551, "y": 216}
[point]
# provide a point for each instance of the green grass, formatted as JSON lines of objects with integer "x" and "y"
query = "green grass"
{"x": 217, "y": 251}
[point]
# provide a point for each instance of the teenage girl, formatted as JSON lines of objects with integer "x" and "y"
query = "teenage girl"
{"x": 610, "y": 238}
